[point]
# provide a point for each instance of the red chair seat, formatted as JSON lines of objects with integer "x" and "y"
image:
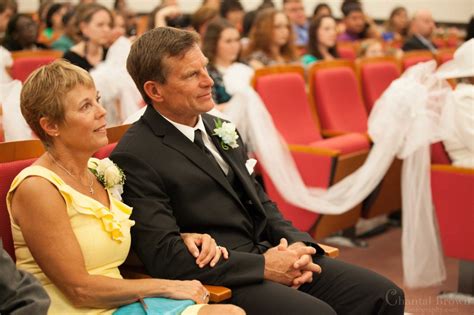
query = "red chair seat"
{"x": 348, "y": 143}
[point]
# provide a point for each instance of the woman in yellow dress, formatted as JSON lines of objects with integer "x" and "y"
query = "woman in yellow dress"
{"x": 68, "y": 230}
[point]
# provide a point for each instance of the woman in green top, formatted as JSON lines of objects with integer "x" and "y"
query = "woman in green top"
{"x": 322, "y": 40}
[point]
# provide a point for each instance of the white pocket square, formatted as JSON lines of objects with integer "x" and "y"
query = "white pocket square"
{"x": 250, "y": 165}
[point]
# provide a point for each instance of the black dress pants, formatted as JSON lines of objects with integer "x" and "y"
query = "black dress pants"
{"x": 341, "y": 288}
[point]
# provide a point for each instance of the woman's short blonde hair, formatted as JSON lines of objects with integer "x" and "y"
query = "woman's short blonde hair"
{"x": 44, "y": 91}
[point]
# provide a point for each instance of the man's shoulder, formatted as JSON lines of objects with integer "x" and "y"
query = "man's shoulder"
{"x": 136, "y": 138}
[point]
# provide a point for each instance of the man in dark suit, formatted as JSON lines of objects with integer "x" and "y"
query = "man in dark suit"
{"x": 421, "y": 28}
{"x": 186, "y": 172}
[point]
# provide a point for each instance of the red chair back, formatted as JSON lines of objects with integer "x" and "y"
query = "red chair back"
{"x": 454, "y": 205}
{"x": 411, "y": 58}
{"x": 375, "y": 79}
{"x": 335, "y": 92}
{"x": 439, "y": 154}
{"x": 284, "y": 95}
{"x": 23, "y": 67}
{"x": 8, "y": 170}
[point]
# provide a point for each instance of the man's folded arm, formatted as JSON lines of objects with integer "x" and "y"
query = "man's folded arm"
{"x": 156, "y": 236}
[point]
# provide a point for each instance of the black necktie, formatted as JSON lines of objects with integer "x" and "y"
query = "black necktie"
{"x": 200, "y": 144}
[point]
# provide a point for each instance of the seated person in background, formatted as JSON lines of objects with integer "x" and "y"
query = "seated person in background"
{"x": 20, "y": 292}
{"x": 21, "y": 34}
{"x": 202, "y": 17}
{"x": 421, "y": 28}
{"x": 271, "y": 40}
{"x": 7, "y": 10}
{"x": 357, "y": 25}
{"x": 370, "y": 48}
{"x": 321, "y": 9}
{"x": 77, "y": 206}
{"x": 187, "y": 172}
{"x": 396, "y": 27}
{"x": 54, "y": 24}
{"x": 94, "y": 23}
{"x": 70, "y": 36}
{"x": 221, "y": 45}
{"x": 459, "y": 142}
{"x": 322, "y": 40}
{"x": 233, "y": 11}
{"x": 294, "y": 10}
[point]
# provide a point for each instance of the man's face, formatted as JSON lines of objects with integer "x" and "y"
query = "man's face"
{"x": 295, "y": 12}
{"x": 355, "y": 22}
{"x": 187, "y": 92}
{"x": 4, "y": 18}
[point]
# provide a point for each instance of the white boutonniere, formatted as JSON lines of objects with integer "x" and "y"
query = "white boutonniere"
{"x": 109, "y": 174}
{"x": 226, "y": 131}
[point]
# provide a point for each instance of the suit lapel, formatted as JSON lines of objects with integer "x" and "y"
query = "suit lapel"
{"x": 174, "y": 139}
{"x": 234, "y": 160}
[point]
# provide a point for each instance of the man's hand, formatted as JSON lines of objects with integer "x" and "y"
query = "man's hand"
{"x": 306, "y": 265}
{"x": 280, "y": 262}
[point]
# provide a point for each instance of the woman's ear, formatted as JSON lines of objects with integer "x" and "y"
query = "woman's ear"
{"x": 51, "y": 129}
{"x": 152, "y": 89}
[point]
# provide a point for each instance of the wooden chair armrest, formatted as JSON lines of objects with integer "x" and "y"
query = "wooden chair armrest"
{"x": 331, "y": 252}
{"x": 452, "y": 169}
{"x": 217, "y": 293}
{"x": 330, "y": 133}
{"x": 313, "y": 150}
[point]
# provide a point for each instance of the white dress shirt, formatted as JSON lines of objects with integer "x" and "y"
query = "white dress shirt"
{"x": 188, "y": 132}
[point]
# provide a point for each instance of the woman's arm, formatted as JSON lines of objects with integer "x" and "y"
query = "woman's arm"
{"x": 209, "y": 252}
{"x": 47, "y": 231}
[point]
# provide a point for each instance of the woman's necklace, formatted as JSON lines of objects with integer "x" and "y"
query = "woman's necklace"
{"x": 90, "y": 186}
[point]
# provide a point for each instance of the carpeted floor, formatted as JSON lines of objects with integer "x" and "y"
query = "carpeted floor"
{"x": 383, "y": 255}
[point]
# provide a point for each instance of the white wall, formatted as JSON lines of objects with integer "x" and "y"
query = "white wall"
{"x": 455, "y": 11}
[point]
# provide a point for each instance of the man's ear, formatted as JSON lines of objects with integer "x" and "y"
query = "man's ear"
{"x": 152, "y": 89}
{"x": 51, "y": 129}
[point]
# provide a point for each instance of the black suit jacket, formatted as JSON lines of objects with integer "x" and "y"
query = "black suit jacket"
{"x": 173, "y": 187}
{"x": 414, "y": 43}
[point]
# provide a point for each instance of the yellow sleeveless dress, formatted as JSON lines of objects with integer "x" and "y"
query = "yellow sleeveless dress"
{"x": 103, "y": 235}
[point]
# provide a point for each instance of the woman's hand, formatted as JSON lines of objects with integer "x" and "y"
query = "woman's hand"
{"x": 209, "y": 252}
{"x": 188, "y": 290}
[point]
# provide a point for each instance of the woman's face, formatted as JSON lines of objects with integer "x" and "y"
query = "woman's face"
{"x": 84, "y": 116}
{"x": 281, "y": 29}
{"x": 57, "y": 18}
{"x": 400, "y": 20}
{"x": 228, "y": 46}
{"x": 118, "y": 29}
{"x": 327, "y": 33}
{"x": 98, "y": 29}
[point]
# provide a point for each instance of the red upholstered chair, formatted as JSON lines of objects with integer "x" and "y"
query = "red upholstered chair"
{"x": 14, "y": 156}
{"x": 453, "y": 198}
{"x": 26, "y": 61}
{"x": 444, "y": 55}
{"x": 320, "y": 161}
{"x": 336, "y": 95}
{"x": 23, "y": 67}
{"x": 411, "y": 58}
{"x": 347, "y": 50}
{"x": 375, "y": 75}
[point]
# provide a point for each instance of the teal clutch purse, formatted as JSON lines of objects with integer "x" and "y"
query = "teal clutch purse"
{"x": 155, "y": 306}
